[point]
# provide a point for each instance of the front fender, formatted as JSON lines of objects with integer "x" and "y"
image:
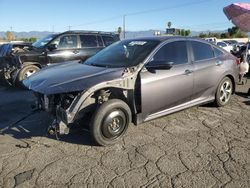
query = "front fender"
{"x": 126, "y": 83}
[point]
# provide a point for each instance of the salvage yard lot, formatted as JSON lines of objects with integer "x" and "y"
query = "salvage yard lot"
{"x": 198, "y": 147}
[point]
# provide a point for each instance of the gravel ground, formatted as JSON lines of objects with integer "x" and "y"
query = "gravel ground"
{"x": 198, "y": 147}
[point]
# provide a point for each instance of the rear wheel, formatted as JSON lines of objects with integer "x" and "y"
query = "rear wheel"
{"x": 224, "y": 92}
{"x": 26, "y": 72}
{"x": 110, "y": 122}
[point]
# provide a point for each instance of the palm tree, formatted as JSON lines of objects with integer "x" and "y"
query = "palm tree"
{"x": 169, "y": 24}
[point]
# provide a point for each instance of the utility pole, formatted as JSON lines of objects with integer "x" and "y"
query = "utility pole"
{"x": 53, "y": 29}
{"x": 69, "y": 27}
{"x": 124, "y": 19}
{"x": 13, "y": 38}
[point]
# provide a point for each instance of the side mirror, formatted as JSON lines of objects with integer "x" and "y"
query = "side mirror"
{"x": 52, "y": 47}
{"x": 159, "y": 65}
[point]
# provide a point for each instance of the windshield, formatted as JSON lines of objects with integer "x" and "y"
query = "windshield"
{"x": 43, "y": 41}
{"x": 125, "y": 53}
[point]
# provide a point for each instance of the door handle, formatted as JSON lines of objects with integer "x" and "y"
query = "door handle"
{"x": 188, "y": 72}
{"x": 76, "y": 51}
{"x": 218, "y": 63}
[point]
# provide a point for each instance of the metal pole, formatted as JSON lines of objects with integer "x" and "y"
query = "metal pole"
{"x": 124, "y": 19}
{"x": 245, "y": 58}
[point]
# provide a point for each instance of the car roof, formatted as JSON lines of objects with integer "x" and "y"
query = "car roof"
{"x": 165, "y": 38}
{"x": 87, "y": 32}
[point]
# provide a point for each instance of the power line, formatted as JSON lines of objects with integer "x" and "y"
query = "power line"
{"x": 98, "y": 21}
{"x": 167, "y": 8}
{"x": 142, "y": 12}
{"x": 206, "y": 24}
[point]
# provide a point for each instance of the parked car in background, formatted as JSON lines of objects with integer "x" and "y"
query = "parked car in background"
{"x": 225, "y": 46}
{"x": 212, "y": 40}
{"x": 242, "y": 53}
{"x": 54, "y": 48}
{"x": 233, "y": 43}
{"x": 241, "y": 44}
{"x": 134, "y": 80}
{"x": 7, "y": 60}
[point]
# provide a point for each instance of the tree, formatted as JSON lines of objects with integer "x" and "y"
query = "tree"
{"x": 236, "y": 32}
{"x": 202, "y": 35}
{"x": 178, "y": 32}
{"x": 119, "y": 30}
{"x": 32, "y": 39}
{"x": 169, "y": 24}
{"x": 187, "y": 32}
{"x": 182, "y": 32}
{"x": 9, "y": 36}
{"x": 233, "y": 32}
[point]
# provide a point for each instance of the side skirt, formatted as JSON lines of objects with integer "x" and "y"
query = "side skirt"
{"x": 139, "y": 118}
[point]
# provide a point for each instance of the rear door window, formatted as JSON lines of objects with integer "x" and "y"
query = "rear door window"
{"x": 202, "y": 51}
{"x": 100, "y": 42}
{"x": 221, "y": 44}
{"x": 108, "y": 40}
{"x": 175, "y": 52}
{"x": 66, "y": 42}
{"x": 88, "y": 41}
{"x": 218, "y": 52}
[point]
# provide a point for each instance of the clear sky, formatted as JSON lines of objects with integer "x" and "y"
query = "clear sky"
{"x": 57, "y": 15}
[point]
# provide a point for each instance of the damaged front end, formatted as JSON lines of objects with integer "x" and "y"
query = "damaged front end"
{"x": 56, "y": 105}
{"x": 9, "y": 69}
{"x": 10, "y": 63}
{"x": 69, "y": 108}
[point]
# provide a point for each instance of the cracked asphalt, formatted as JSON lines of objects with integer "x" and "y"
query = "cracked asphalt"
{"x": 198, "y": 147}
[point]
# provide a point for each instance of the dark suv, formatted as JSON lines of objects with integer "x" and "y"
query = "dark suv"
{"x": 54, "y": 48}
{"x": 135, "y": 80}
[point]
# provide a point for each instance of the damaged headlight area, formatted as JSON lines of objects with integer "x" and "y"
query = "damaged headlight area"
{"x": 50, "y": 103}
{"x": 56, "y": 105}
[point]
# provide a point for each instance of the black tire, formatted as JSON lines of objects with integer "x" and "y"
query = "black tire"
{"x": 110, "y": 122}
{"x": 223, "y": 92}
{"x": 25, "y": 72}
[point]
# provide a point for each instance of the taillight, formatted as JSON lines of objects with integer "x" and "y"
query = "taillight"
{"x": 237, "y": 61}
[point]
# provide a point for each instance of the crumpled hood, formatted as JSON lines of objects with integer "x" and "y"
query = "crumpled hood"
{"x": 70, "y": 77}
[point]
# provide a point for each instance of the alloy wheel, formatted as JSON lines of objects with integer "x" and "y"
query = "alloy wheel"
{"x": 225, "y": 92}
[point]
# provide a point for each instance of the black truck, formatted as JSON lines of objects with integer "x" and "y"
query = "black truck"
{"x": 19, "y": 61}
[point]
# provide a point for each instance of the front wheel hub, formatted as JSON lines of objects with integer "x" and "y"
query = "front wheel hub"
{"x": 29, "y": 73}
{"x": 114, "y": 124}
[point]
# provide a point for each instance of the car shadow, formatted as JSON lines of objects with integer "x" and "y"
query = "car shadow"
{"x": 242, "y": 94}
{"x": 19, "y": 121}
{"x": 36, "y": 124}
{"x": 247, "y": 102}
{"x": 247, "y": 75}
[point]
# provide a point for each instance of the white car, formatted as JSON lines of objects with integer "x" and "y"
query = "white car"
{"x": 212, "y": 40}
{"x": 225, "y": 46}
